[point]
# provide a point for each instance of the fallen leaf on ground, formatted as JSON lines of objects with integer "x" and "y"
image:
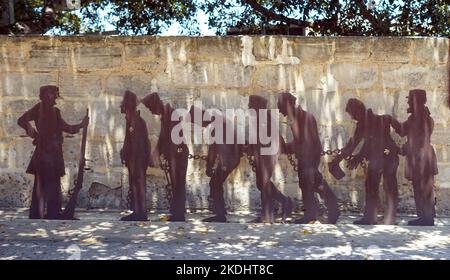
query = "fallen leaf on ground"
{"x": 305, "y": 231}
{"x": 164, "y": 218}
{"x": 91, "y": 241}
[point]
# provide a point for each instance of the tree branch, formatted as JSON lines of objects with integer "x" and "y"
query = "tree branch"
{"x": 274, "y": 16}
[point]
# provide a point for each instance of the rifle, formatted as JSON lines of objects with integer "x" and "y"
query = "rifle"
{"x": 69, "y": 211}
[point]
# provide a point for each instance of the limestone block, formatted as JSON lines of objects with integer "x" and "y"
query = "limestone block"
{"x": 139, "y": 84}
{"x": 48, "y": 59}
{"x": 391, "y": 50}
{"x": 24, "y": 85}
{"x": 354, "y": 76}
{"x": 80, "y": 85}
{"x": 91, "y": 58}
{"x": 431, "y": 50}
{"x": 354, "y": 49}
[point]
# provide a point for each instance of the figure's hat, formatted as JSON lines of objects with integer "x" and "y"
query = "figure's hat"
{"x": 419, "y": 95}
{"x": 130, "y": 99}
{"x": 43, "y": 90}
{"x": 257, "y": 102}
{"x": 152, "y": 98}
{"x": 287, "y": 96}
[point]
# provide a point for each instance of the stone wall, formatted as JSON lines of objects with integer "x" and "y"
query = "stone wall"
{"x": 93, "y": 72}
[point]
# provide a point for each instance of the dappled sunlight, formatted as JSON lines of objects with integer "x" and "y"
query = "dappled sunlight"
{"x": 112, "y": 239}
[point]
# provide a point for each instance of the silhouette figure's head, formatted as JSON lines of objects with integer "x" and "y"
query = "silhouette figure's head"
{"x": 153, "y": 103}
{"x": 286, "y": 103}
{"x": 356, "y": 109}
{"x": 257, "y": 102}
{"x": 129, "y": 102}
{"x": 416, "y": 100}
{"x": 49, "y": 94}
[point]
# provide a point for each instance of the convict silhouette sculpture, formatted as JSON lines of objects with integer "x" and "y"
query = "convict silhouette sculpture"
{"x": 221, "y": 160}
{"x": 175, "y": 154}
{"x": 47, "y": 163}
{"x": 135, "y": 154}
{"x": 421, "y": 162}
{"x": 381, "y": 152}
{"x": 307, "y": 148}
{"x": 265, "y": 166}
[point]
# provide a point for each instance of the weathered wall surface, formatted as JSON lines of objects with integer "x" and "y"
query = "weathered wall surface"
{"x": 323, "y": 73}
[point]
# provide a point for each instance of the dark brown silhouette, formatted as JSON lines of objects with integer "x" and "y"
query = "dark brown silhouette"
{"x": 307, "y": 148}
{"x": 381, "y": 152}
{"x": 421, "y": 162}
{"x": 265, "y": 165}
{"x": 176, "y": 155}
{"x": 135, "y": 155}
{"x": 47, "y": 163}
{"x": 221, "y": 160}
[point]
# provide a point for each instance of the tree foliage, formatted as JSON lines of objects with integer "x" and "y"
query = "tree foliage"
{"x": 332, "y": 17}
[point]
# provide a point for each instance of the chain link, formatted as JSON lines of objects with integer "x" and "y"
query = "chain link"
{"x": 164, "y": 165}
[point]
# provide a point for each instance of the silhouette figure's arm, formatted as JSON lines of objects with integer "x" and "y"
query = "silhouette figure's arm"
{"x": 26, "y": 118}
{"x": 352, "y": 143}
{"x": 400, "y": 128}
{"x": 71, "y": 129}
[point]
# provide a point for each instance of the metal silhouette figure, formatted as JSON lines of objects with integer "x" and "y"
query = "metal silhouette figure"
{"x": 264, "y": 168}
{"x": 307, "y": 148}
{"x": 421, "y": 162}
{"x": 47, "y": 163}
{"x": 135, "y": 154}
{"x": 175, "y": 154}
{"x": 221, "y": 160}
{"x": 381, "y": 152}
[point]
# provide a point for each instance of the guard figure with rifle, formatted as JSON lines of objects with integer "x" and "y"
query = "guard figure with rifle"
{"x": 135, "y": 155}
{"x": 47, "y": 163}
{"x": 176, "y": 155}
{"x": 307, "y": 148}
{"x": 381, "y": 152}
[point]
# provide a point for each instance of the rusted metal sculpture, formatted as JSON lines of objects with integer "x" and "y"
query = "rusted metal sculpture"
{"x": 221, "y": 160}
{"x": 47, "y": 163}
{"x": 381, "y": 152}
{"x": 264, "y": 168}
{"x": 307, "y": 148}
{"x": 176, "y": 155}
{"x": 421, "y": 162}
{"x": 135, "y": 154}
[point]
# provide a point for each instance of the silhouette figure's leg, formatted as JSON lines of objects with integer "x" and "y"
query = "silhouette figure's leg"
{"x": 139, "y": 196}
{"x": 418, "y": 196}
{"x": 178, "y": 168}
{"x": 53, "y": 192}
{"x": 371, "y": 189}
{"x": 264, "y": 185}
{"x": 329, "y": 198}
{"x": 216, "y": 189}
{"x": 285, "y": 201}
{"x": 37, "y": 207}
{"x": 391, "y": 190}
{"x": 307, "y": 178}
{"x": 425, "y": 199}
